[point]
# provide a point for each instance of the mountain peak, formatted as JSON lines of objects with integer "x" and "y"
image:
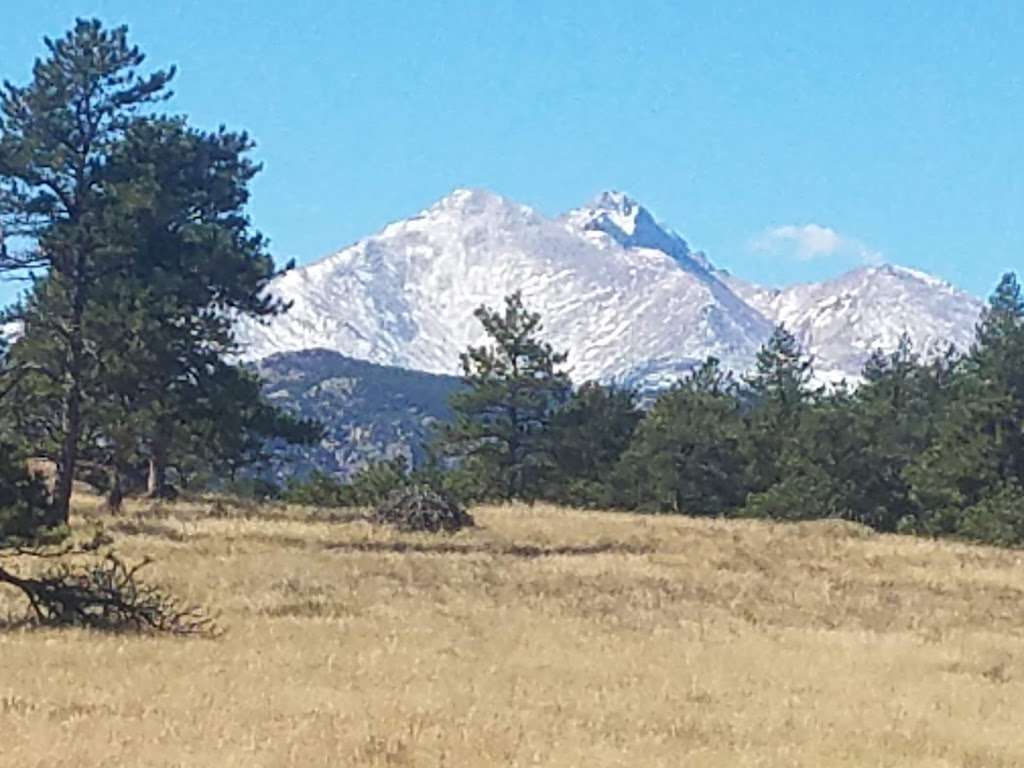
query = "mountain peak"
{"x": 467, "y": 204}
{"x": 616, "y": 215}
{"x": 619, "y": 210}
{"x": 470, "y": 197}
{"x": 902, "y": 274}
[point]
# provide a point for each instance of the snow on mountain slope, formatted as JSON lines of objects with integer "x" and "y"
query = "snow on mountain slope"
{"x": 406, "y": 295}
{"x": 625, "y": 296}
{"x": 615, "y": 218}
{"x": 841, "y": 321}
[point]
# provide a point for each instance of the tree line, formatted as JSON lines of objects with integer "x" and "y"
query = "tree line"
{"x": 130, "y": 227}
{"x": 930, "y": 446}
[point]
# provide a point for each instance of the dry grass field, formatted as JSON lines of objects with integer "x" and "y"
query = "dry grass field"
{"x": 542, "y": 638}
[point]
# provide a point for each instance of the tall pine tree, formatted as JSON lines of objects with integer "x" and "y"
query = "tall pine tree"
{"x": 514, "y": 387}
{"x": 978, "y": 453}
{"x": 56, "y": 134}
{"x": 780, "y": 391}
{"x": 687, "y": 455}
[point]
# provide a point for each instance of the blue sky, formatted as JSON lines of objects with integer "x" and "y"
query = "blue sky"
{"x": 789, "y": 140}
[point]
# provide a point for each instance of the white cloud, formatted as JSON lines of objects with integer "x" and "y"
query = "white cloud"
{"x": 806, "y": 242}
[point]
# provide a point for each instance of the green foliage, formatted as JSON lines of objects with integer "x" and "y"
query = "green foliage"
{"x": 229, "y": 426}
{"x": 503, "y": 418}
{"x": 896, "y": 412}
{"x": 997, "y": 519}
{"x": 368, "y": 487}
{"x": 805, "y": 492}
{"x": 687, "y": 455}
{"x": 978, "y": 450}
{"x": 926, "y": 448}
{"x": 779, "y": 390}
{"x": 57, "y": 135}
{"x": 589, "y": 435}
{"x": 140, "y": 223}
{"x": 318, "y": 490}
{"x": 23, "y": 500}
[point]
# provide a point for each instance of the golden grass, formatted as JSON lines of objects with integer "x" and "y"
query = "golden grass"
{"x": 544, "y": 637}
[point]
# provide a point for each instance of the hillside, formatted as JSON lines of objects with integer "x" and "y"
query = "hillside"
{"x": 370, "y": 412}
{"x": 543, "y": 637}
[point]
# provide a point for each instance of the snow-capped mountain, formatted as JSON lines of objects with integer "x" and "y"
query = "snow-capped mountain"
{"x": 841, "y": 321}
{"x": 625, "y": 296}
{"x": 625, "y": 311}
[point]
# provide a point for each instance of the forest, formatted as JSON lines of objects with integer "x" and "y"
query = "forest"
{"x": 925, "y": 446}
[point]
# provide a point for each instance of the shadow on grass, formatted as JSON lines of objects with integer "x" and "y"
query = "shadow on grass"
{"x": 523, "y": 551}
{"x": 142, "y": 527}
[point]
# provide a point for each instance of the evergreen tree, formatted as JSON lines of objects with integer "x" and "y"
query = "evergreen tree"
{"x": 978, "y": 453}
{"x": 514, "y": 387}
{"x": 588, "y": 438}
{"x": 779, "y": 391}
{"x": 181, "y": 264}
{"x": 897, "y": 410}
{"x": 997, "y": 358}
{"x": 55, "y": 136}
{"x": 687, "y": 455}
{"x": 23, "y": 497}
{"x": 195, "y": 266}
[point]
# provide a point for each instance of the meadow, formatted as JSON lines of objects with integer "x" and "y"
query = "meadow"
{"x": 543, "y": 637}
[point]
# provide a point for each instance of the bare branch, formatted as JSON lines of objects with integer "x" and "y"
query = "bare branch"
{"x": 108, "y": 596}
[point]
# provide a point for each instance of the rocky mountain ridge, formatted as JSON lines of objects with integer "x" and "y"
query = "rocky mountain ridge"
{"x": 625, "y": 295}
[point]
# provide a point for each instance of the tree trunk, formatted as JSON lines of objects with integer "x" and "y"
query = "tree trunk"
{"x": 115, "y": 496}
{"x": 60, "y": 510}
{"x": 156, "y": 483}
{"x": 71, "y": 418}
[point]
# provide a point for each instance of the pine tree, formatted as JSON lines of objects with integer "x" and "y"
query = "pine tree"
{"x": 687, "y": 454}
{"x": 55, "y": 136}
{"x": 779, "y": 391}
{"x": 181, "y": 264}
{"x": 978, "y": 453}
{"x": 23, "y": 497}
{"x": 229, "y": 426}
{"x": 782, "y": 375}
{"x": 997, "y": 358}
{"x": 588, "y": 438}
{"x": 514, "y": 387}
{"x": 196, "y": 266}
{"x": 896, "y": 411}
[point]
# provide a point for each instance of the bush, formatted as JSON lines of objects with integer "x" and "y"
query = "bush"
{"x": 996, "y": 519}
{"x": 368, "y": 487}
{"x": 317, "y": 490}
{"x": 421, "y": 508}
{"x": 254, "y": 489}
{"x": 806, "y": 494}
